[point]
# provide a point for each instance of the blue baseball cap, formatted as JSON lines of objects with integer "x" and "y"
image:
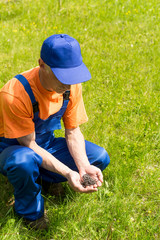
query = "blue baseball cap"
{"x": 62, "y": 54}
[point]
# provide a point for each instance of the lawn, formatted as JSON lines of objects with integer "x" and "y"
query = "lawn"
{"x": 120, "y": 45}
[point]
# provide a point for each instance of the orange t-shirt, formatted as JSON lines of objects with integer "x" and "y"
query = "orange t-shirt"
{"x": 16, "y": 111}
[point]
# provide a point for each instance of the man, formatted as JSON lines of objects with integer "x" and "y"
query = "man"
{"x": 31, "y": 107}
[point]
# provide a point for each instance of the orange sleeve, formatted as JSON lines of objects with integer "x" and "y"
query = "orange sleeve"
{"x": 75, "y": 113}
{"x": 17, "y": 121}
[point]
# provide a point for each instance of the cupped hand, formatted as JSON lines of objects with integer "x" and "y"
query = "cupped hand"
{"x": 74, "y": 181}
{"x": 94, "y": 173}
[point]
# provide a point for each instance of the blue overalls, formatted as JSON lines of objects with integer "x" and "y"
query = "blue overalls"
{"x": 22, "y": 165}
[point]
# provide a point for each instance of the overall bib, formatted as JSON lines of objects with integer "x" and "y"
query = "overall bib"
{"x": 22, "y": 165}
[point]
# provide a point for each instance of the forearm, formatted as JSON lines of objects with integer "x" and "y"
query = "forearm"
{"x": 76, "y": 145}
{"x": 52, "y": 164}
{"x": 49, "y": 162}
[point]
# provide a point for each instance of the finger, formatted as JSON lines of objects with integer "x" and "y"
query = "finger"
{"x": 88, "y": 189}
{"x": 95, "y": 185}
{"x": 99, "y": 183}
{"x": 100, "y": 176}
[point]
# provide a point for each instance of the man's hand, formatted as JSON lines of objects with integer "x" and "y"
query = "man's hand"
{"x": 94, "y": 173}
{"x": 76, "y": 146}
{"x": 74, "y": 181}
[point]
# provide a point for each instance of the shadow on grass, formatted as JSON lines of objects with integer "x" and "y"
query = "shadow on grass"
{"x": 6, "y": 197}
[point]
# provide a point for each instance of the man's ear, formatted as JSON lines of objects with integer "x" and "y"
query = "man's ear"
{"x": 41, "y": 63}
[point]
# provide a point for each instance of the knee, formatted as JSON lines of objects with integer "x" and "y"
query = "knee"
{"x": 21, "y": 161}
{"x": 97, "y": 155}
{"x": 103, "y": 159}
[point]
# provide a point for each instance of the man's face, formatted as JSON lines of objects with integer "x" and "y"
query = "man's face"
{"x": 57, "y": 86}
{"x": 51, "y": 83}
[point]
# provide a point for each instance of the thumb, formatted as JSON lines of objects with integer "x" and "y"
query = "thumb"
{"x": 81, "y": 173}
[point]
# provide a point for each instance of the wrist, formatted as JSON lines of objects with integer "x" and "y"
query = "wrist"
{"x": 68, "y": 173}
{"x": 82, "y": 169}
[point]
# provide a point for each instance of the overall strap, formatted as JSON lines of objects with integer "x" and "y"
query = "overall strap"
{"x": 66, "y": 95}
{"x": 28, "y": 89}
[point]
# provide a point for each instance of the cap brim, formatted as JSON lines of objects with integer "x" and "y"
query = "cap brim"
{"x": 72, "y": 76}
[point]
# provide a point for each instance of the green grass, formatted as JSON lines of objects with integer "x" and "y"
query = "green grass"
{"x": 120, "y": 46}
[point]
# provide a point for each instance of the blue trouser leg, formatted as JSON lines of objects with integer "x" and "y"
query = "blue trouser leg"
{"x": 97, "y": 156}
{"x": 21, "y": 166}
